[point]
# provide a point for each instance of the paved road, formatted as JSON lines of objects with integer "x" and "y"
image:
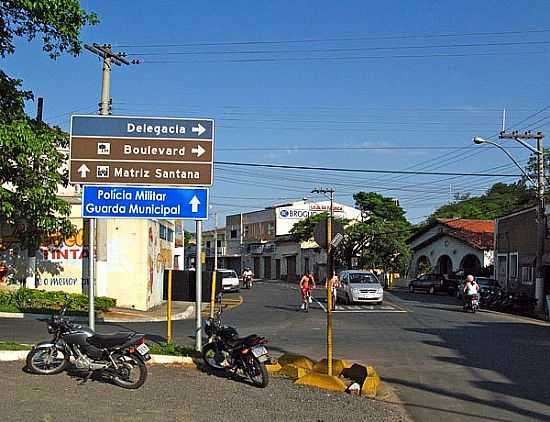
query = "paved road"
{"x": 177, "y": 395}
{"x": 443, "y": 363}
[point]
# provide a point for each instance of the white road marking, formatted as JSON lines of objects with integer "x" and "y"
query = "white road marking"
{"x": 365, "y": 309}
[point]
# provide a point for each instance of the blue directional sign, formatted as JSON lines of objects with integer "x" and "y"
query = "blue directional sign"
{"x": 142, "y": 127}
{"x": 145, "y": 202}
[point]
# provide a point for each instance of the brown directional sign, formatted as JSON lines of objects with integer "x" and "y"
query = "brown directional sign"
{"x": 141, "y": 151}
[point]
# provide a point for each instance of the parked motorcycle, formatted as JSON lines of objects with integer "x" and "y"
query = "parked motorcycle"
{"x": 120, "y": 356}
{"x": 228, "y": 352}
{"x": 472, "y": 303}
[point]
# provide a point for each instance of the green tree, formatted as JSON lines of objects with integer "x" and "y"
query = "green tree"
{"x": 31, "y": 168}
{"x": 499, "y": 200}
{"x": 383, "y": 233}
{"x": 379, "y": 240}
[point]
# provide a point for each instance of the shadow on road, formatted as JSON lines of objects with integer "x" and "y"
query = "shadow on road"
{"x": 474, "y": 348}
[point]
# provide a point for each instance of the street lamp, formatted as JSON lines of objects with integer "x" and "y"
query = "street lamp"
{"x": 478, "y": 140}
{"x": 541, "y": 223}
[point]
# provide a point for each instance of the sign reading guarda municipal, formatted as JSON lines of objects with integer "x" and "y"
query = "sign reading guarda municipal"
{"x": 121, "y": 150}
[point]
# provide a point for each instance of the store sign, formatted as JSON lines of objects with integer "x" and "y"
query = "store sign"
{"x": 294, "y": 213}
{"x": 325, "y": 207}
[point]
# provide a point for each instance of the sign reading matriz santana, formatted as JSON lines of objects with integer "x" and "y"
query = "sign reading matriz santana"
{"x": 120, "y": 150}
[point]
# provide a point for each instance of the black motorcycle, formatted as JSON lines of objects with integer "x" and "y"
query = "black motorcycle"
{"x": 120, "y": 356}
{"x": 230, "y": 353}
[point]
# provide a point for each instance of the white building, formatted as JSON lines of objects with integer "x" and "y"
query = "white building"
{"x": 260, "y": 240}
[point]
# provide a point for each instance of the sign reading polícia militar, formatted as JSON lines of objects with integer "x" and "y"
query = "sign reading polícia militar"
{"x": 121, "y": 150}
{"x": 144, "y": 202}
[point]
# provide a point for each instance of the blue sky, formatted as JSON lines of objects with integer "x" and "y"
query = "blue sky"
{"x": 320, "y": 84}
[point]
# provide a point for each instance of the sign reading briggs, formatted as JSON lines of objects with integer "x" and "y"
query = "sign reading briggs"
{"x": 141, "y": 151}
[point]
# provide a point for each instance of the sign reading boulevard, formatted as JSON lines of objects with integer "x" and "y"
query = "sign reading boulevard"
{"x": 118, "y": 150}
{"x": 144, "y": 202}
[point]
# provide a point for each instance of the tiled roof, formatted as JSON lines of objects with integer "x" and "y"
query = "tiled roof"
{"x": 474, "y": 226}
{"x": 477, "y": 233}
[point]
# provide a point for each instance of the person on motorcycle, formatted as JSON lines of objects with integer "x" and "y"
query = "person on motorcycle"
{"x": 471, "y": 288}
{"x": 307, "y": 284}
{"x": 247, "y": 274}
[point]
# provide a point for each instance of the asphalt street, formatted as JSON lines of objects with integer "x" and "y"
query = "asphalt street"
{"x": 443, "y": 363}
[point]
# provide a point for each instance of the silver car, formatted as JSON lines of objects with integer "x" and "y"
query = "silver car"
{"x": 359, "y": 286}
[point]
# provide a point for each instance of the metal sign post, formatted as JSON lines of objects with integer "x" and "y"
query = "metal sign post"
{"x": 91, "y": 290}
{"x": 198, "y": 285}
{"x": 169, "y": 308}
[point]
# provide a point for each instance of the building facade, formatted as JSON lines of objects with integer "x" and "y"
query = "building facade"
{"x": 261, "y": 240}
{"x": 516, "y": 252}
{"x": 453, "y": 246}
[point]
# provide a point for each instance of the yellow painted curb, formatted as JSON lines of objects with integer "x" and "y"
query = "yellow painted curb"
{"x": 338, "y": 365}
{"x": 323, "y": 381}
{"x": 293, "y": 371}
{"x": 371, "y": 383}
{"x": 297, "y": 360}
{"x": 274, "y": 368}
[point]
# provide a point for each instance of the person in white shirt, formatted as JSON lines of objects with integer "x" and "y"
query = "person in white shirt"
{"x": 471, "y": 288}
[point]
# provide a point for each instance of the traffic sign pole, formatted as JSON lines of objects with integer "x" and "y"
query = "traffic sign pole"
{"x": 198, "y": 286}
{"x": 91, "y": 290}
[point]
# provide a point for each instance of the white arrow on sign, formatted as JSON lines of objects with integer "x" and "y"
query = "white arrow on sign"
{"x": 199, "y": 151}
{"x": 194, "y": 204}
{"x": 199, "y": 130}
{"x": 83, "y": 170}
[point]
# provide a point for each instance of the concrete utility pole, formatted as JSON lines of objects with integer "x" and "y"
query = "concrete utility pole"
{"x": 541, "y": 220}
{"x": 103, "y": 51}
{"x": 329, "y": 192}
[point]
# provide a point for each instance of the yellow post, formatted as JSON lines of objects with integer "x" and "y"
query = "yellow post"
{"x": 329, "y": 295}
{"x": 213, "y": 294}
{"x": 169, "y": 310}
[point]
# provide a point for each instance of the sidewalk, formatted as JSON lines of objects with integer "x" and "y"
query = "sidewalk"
{"x": 180, "y": 310}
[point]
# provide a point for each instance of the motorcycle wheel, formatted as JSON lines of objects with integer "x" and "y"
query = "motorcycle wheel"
{"x": 46, "y": 360}
{"x": 131, "y": 373}
{"x": 256, "y": 371}
{"x": 209, "y": 353}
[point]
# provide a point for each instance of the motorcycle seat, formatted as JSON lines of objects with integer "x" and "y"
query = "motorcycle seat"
{"x": 237, "y": 341}
{"x": 105, "y": 341}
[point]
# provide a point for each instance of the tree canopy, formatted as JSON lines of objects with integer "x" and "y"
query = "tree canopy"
{"x": 33, "y": 157}
{"x": 499, "y": 200}
{"x": 378, "y": 240}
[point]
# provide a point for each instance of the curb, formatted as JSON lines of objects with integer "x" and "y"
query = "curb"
{"x": 187, "y": 314}
{"x": 14, "y": 355}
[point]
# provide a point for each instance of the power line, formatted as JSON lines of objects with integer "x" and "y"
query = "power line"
{"x": 333, "y": 59}
{"x": 281, "y": 166}
{"x": 337, "y": 50}
{"x": 335, "y": 39}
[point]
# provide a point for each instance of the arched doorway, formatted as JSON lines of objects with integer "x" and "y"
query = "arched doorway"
{"x": 444, "y": 265}
{"x": 470, "y": 264}
{"x": 423, "y": 265}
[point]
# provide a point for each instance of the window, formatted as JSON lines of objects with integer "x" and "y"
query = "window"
{"x": 208, "y": 243}
{"x": 163, "y": 231}
{"x": 502, "y": 269}
{"x": 170, "y": 235}
{"x": 233, "y": 234}
{"x": 219, "y": 243}
{"x": 527, "y": 275}
{"x": 514, "y": 265}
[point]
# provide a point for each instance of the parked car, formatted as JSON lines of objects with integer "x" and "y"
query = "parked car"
{"x": 359, "y": 286}
{"x": 230, "y": 280}
{"x": 433, "y": 283}
{"x": 486, "y": 285}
